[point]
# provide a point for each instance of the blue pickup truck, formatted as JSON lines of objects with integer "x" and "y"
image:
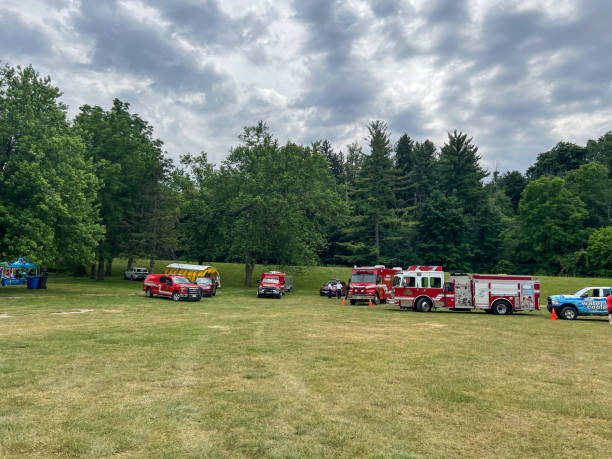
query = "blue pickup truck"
{"x": 589, "y": 301}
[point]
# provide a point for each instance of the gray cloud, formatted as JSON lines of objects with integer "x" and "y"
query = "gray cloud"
{"x": 18, "y": 38}
{"x": 516, "y": 79}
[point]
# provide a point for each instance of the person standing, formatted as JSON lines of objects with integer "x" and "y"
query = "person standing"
{"x": 330, "y": 286}
{"x": 338, "y": 289}
{"x": 609, "y": 305}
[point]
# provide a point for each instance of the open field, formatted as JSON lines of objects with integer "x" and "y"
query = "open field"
{"x": 301, "y": 376}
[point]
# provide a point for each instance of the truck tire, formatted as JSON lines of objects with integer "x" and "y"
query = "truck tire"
{"x": 423, "y": 305}
{"x": 149, "y": 292}
{"x": 353, "y": 302}
{"x": 175, "y": 296}
{"x": 568, "y": 313}
{"x": 501, "y": 308}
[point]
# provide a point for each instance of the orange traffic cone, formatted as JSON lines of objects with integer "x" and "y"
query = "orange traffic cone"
{"x": 343, "y": 302}
{"x": 370, "y": 304}
{"x": 553, "y": 316}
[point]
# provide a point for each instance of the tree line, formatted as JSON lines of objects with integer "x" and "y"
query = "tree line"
{"x": 79, "y": 193}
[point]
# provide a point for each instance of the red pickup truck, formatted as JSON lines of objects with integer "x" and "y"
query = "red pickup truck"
{"x": 173, "y": 286}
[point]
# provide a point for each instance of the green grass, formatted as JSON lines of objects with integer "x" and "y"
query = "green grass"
{"x": 302, "y": 376}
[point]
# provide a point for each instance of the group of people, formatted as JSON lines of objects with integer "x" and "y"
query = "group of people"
{"x": 338, "y": 285}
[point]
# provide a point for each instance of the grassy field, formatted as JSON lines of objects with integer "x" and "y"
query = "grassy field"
{"x": 301, "y": 376}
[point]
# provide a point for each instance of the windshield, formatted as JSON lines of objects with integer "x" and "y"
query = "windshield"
{"x": 397, "y": 281}
{"x": 581, "y": 291}
{"x": 181, "y": 280}
{"x": 270, "y": 280}
{"x": 363, "y": 279}
{"x": 203, "y": 280}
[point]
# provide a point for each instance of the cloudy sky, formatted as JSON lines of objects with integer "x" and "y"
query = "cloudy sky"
{"x": 518, "y": 76}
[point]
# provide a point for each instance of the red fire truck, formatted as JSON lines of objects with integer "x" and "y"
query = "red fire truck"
{"x": 371, "y": 283}
{"x": 422, "y": 288}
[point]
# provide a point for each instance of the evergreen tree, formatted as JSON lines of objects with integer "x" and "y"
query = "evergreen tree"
{"x": 460, "y": 173}
{"x": 423, "y": 174}
{"x": 373, "y": 228}
{"x": 512, "y": 183}
{"x": 442, "y": 233}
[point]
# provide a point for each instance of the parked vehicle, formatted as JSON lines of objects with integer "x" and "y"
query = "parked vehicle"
{"x": 274, "y": 284}
{"x": 422, "y": 288}
{"x": 324, "y": 290}
{"x": 135, "y": 273}
{"x": 173, "y": 286}
{"x": 192, "y": 272}
{"x": 588, "y": 301}
{"x": 372, "y": 283}
{"x": 207, "y": 285}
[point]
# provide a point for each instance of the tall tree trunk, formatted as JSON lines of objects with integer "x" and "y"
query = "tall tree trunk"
{"x": 151, "y": 265}
{"x": 109, "y": 267}
{"x": 101, "y": 268}
{"x": 377, "y": 238}
{"x": 130, "y": 262}
{"x": 249, "y": 265}
{"x": 92, "y": 273}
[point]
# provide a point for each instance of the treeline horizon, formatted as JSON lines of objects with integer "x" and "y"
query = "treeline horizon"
{"x": 76, "y": 194}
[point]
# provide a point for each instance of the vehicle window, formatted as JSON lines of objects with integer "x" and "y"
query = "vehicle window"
{"x": 606, "y": 292}
{"x": 379, "y": 279}
{"x": 363, "y": 278}
{"x": 270, "y": 280}
{"x": 410, "y": 282}
{"x": 204, "y": 281}
{"x": 436, "y": 282}
{"x": 397, "y": 281}
{"x": 163, "y": 279}
{"x": 425, "y": 282}
{"x": 181, "y": 280}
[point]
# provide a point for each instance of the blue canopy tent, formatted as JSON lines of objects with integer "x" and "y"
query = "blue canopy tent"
{"x": 20, "y": 272}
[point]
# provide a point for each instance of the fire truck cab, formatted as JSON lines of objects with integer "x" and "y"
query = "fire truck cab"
{"x": 371, "y": 283}
{"x": 422, "y": 288}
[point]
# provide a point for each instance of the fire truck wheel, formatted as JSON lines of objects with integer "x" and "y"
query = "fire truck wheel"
{"x": 353, "y": 302}
{"x": 423, "y": 305}
{"x": 414, "y": 308}
{"x": 569, "y": 312}
{"x": 175, "y": 296}
{"x": 501, "y": 308}
{"x": 149, "y": 292}
{"x": 376, "y": 299}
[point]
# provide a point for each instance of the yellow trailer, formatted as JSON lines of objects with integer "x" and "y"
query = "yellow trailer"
{"x": 192, "y": 272}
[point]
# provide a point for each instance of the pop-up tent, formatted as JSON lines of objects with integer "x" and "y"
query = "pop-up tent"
{"x": 20, "y": 272}
{"x": 194, "y": 271}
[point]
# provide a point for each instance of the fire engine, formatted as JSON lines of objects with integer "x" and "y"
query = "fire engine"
{"x": 422, "y": 288}
{"x": 371, "y": 283}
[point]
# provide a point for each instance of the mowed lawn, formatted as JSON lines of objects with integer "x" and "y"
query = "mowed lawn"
{"x": 237, "y": 376}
